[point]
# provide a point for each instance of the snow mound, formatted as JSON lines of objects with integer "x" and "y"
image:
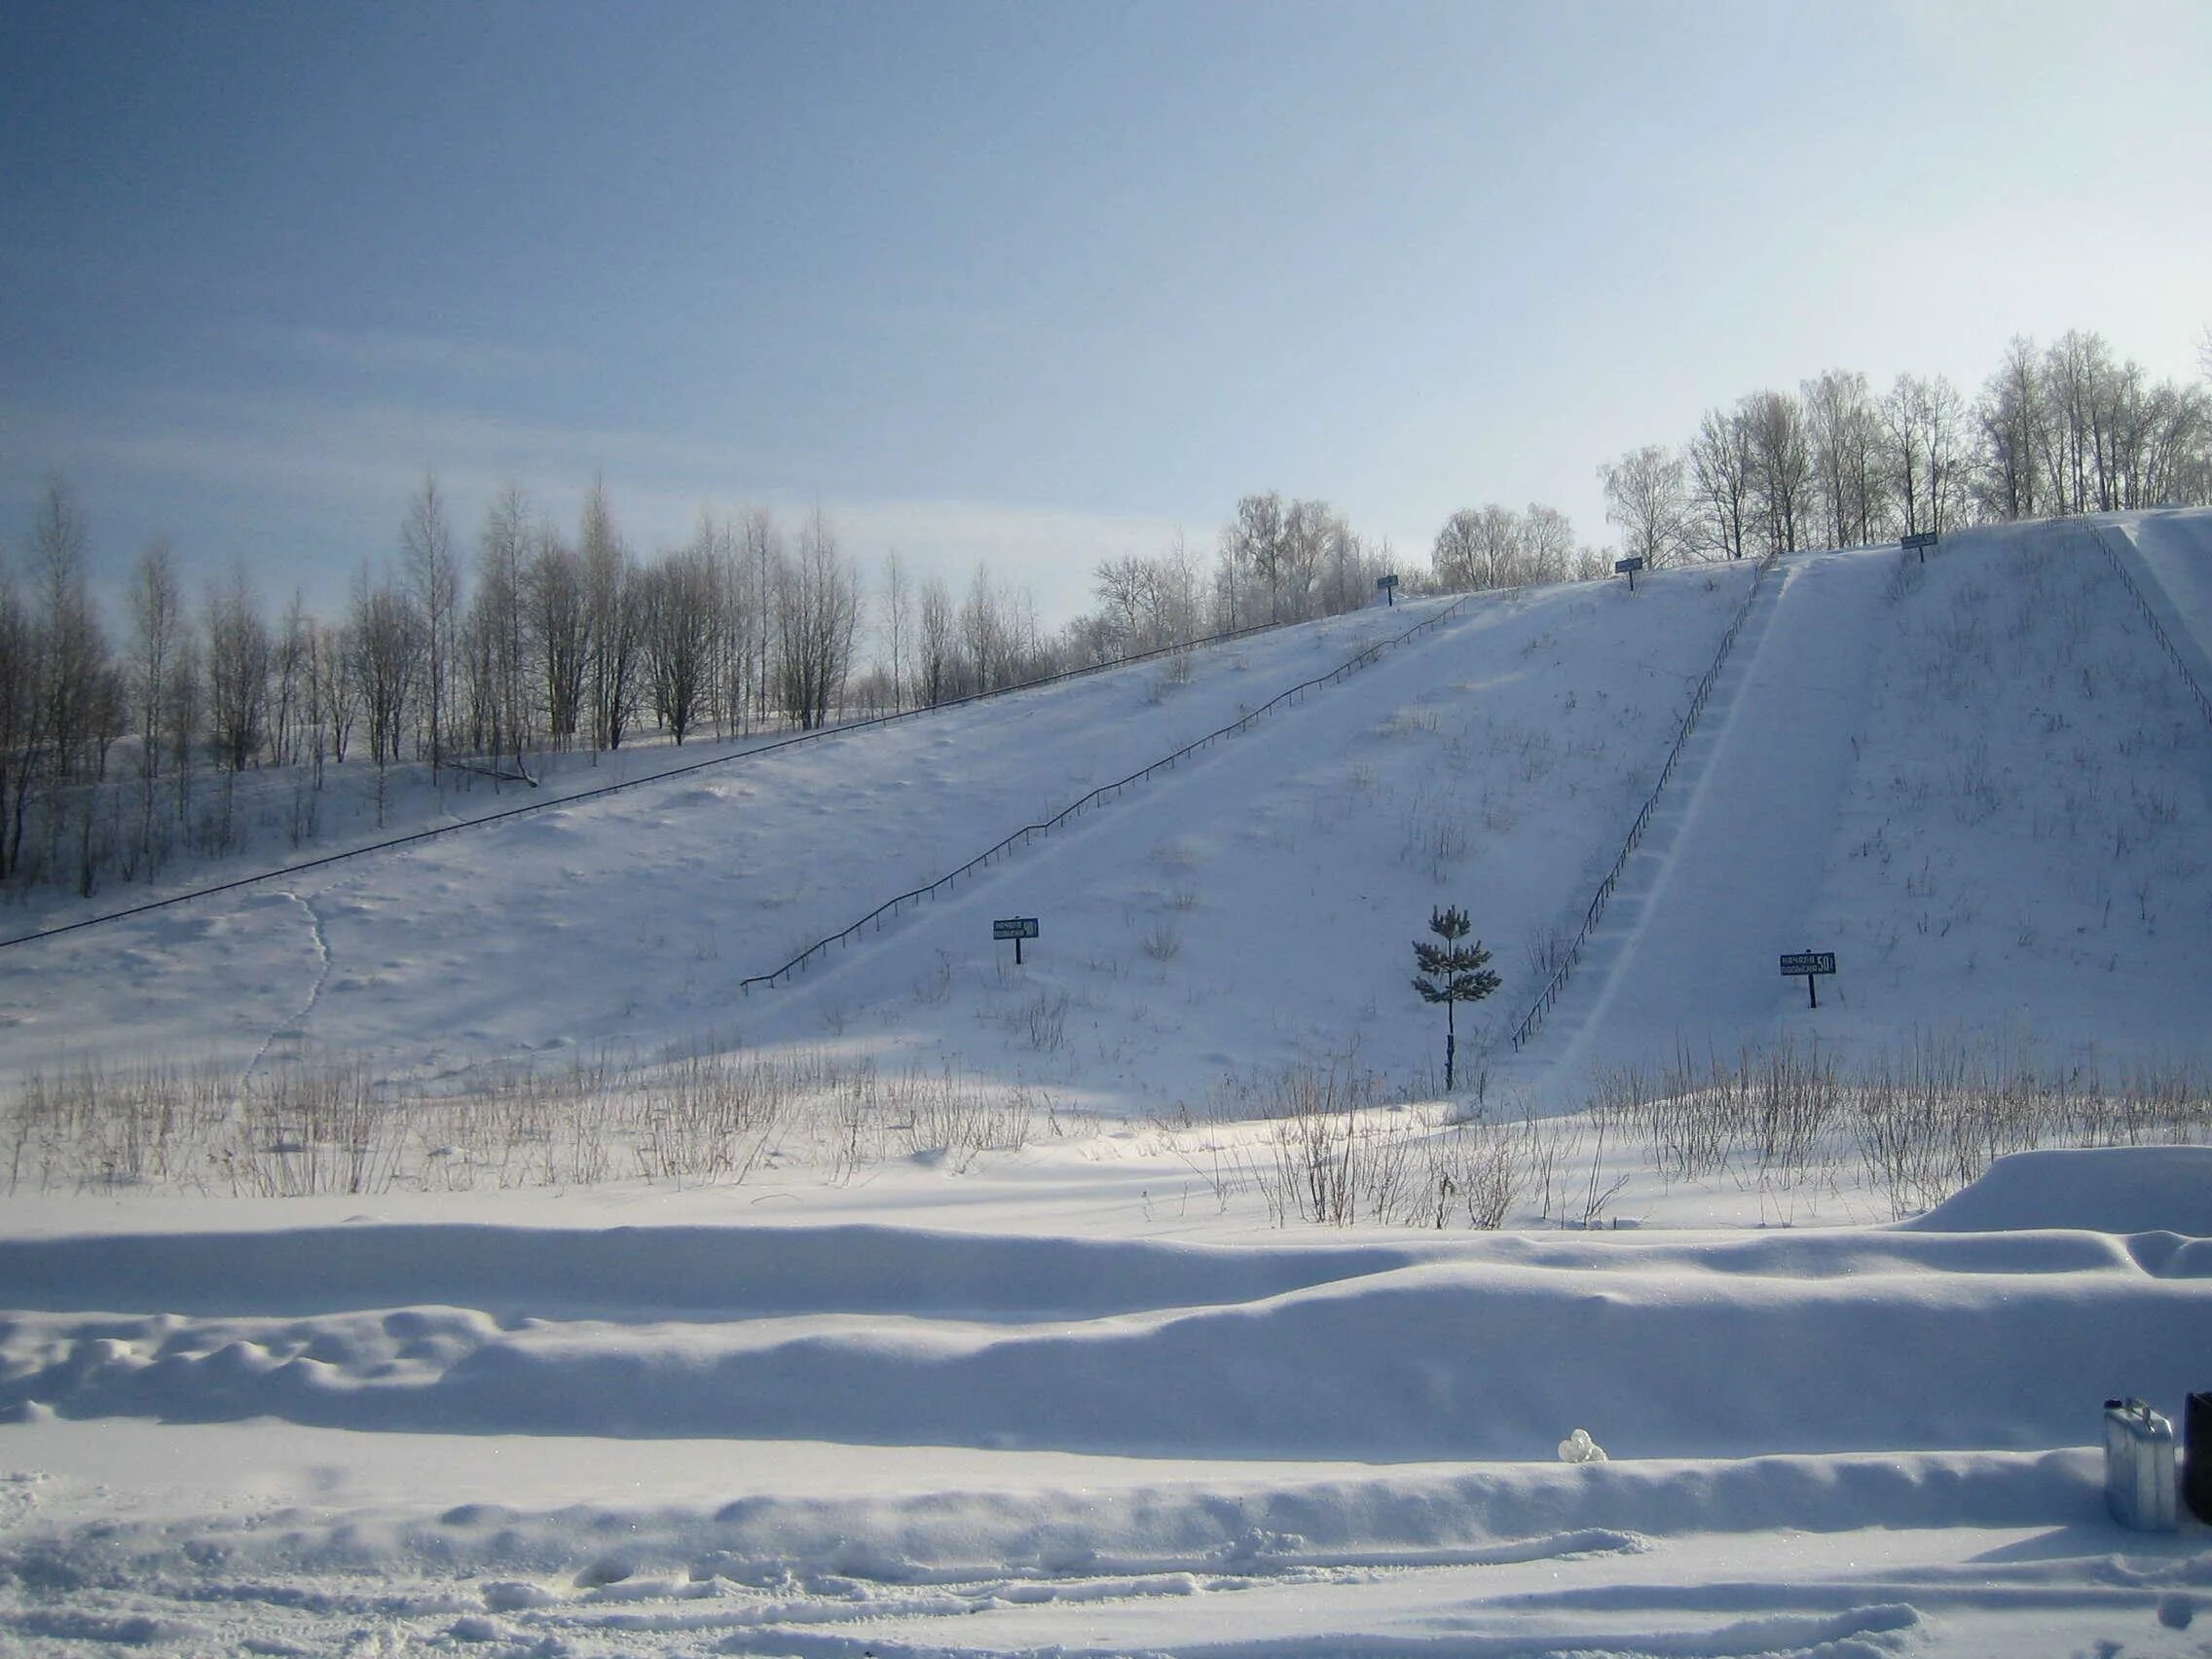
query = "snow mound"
{"x": 2123, "y": 1189}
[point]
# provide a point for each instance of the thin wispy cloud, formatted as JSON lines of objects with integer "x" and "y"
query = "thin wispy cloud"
{"x": 362, "y": 461}
{"x": 383, "y": 350}
{"x": 1111, "y": 267}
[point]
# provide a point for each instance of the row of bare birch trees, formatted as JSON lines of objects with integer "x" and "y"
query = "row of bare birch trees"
{"x": 121, "y": 744}
{"x": 2058, "y": 429}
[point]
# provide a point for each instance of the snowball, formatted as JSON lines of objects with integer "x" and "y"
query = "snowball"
{"x": 1579, "y": 1447}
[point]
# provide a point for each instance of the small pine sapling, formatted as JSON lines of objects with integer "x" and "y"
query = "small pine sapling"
{"x": 1451, "y": 973}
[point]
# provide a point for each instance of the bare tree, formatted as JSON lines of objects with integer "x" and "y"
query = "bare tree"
{"x": 1177, "y": 596}
{"x": 386, "y": 635}
{"x": 71, "y": 649}
{"x": 1228, "y": 609}
{"x": 156, "y": 626}
{"x": 238, "y": 672}
{"x": 1782, "y": 468}
{"x": 1843, "y": 435}
{"x": 611, "y": 602}
{"x": 1259, "y": 545}
{"x": 897, "y": 622}
{"x": 187, "y": 698}
{"x": 680, "y": 616}
{"x": 937, "y": 650}
{"x": 2011, "y": 418}
{"x": 1923, "y": 425}
{"x": 1501, "y": 554}
{"x": 816, "y": 616}
{"x": 499, "y": 649}
{"x": 742, "y": 599}
{"x": 1646, "y": 499}
{"x": 1721, "y": 474}
{"x": 433, "y": 579}
{"x": 763, "y": 555}
{"x": 1547, "y": 543}
{"x": 1348, "y": 576}
{"x": 2072, "y": 369}
{"x": 334, "y": 705}
{"x": 985, "y": 637}
{"x": 2175, "y": 457}
{"x": 289, "y": 681}
{"x": 1456, "y": 557}
{"x": 560, "y": 630}
{"x": 19, "y": 721}
{"x": 1030, "y": 657}
{"x": 1307, "y": 525}
{"x": 1128, "y": 593}
{"x": 1946, "y": 454}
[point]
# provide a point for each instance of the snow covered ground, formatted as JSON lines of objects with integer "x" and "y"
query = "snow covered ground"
{"x": 1084, "y": 1381}
{"x": 859, "y": 1431}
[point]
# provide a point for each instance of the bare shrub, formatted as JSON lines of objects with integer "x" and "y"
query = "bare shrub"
{"x": 707, "y": 1118}
{"x": 1913, "y": 1125}
{"x": 954, "y": 1117}
{"x": 1477, "y": 1170}
{"x": 1408, "y": 721}
{"x": 1043, "y": 1021}
{"x": 935, "y": 984}
{"x": 329, "y": 1125}
{"x": 1543, "y": 952}
{"x": 1337, "y": 1153}
{"x": 1323, "y": 1153}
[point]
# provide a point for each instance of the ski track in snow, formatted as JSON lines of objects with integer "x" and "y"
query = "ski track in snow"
{"x": 294, "y": 1029}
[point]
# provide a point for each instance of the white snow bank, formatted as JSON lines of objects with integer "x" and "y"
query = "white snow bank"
{"x": 1979, "y": 1554}
{"x": 1789, "y": 1343}
{"x": 2126, "y": 1190}
{"x": 464, "y": 1505}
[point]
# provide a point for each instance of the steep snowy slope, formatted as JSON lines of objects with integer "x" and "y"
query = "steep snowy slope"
{"x": 1271, "y": 882}
{"x": 1978, "y": 781}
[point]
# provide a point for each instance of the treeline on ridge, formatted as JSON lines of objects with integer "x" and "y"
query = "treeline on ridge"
{"x": 121, "y": 746}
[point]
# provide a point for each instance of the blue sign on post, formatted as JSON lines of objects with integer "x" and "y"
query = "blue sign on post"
{"x": 1627, "y": 567}
{"x": 1388, "y": 585}
{"x": 1810, "y": 963}
{"x": 1920, "y": 543}
{"x": 1017, "y": 929}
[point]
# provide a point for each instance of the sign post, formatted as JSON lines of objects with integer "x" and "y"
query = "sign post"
{"x": 1627, "y": 567}
{"x": 1389, "y": 589}
{"x": 1017, "y": 929}
{"x": 1919, "y": 543}
{"x": 1809, "y": 963}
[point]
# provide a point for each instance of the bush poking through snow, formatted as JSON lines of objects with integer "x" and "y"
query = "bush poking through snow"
{"x": 302, "y": 1129}
{"x": 1913, "y": 1125}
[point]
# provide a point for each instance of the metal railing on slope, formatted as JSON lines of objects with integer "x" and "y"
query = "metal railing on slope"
{"x": 2158, "y": 629}
{"x": 1550, "y": 995}
{"x": 818, "y": 734}
{"x": 890, "y": 908}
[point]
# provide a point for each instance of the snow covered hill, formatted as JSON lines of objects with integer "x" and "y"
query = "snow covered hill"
{"x": 517, "y": 1282}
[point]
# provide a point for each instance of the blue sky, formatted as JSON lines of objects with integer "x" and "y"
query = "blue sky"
{"x": 1030, "y": 283}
